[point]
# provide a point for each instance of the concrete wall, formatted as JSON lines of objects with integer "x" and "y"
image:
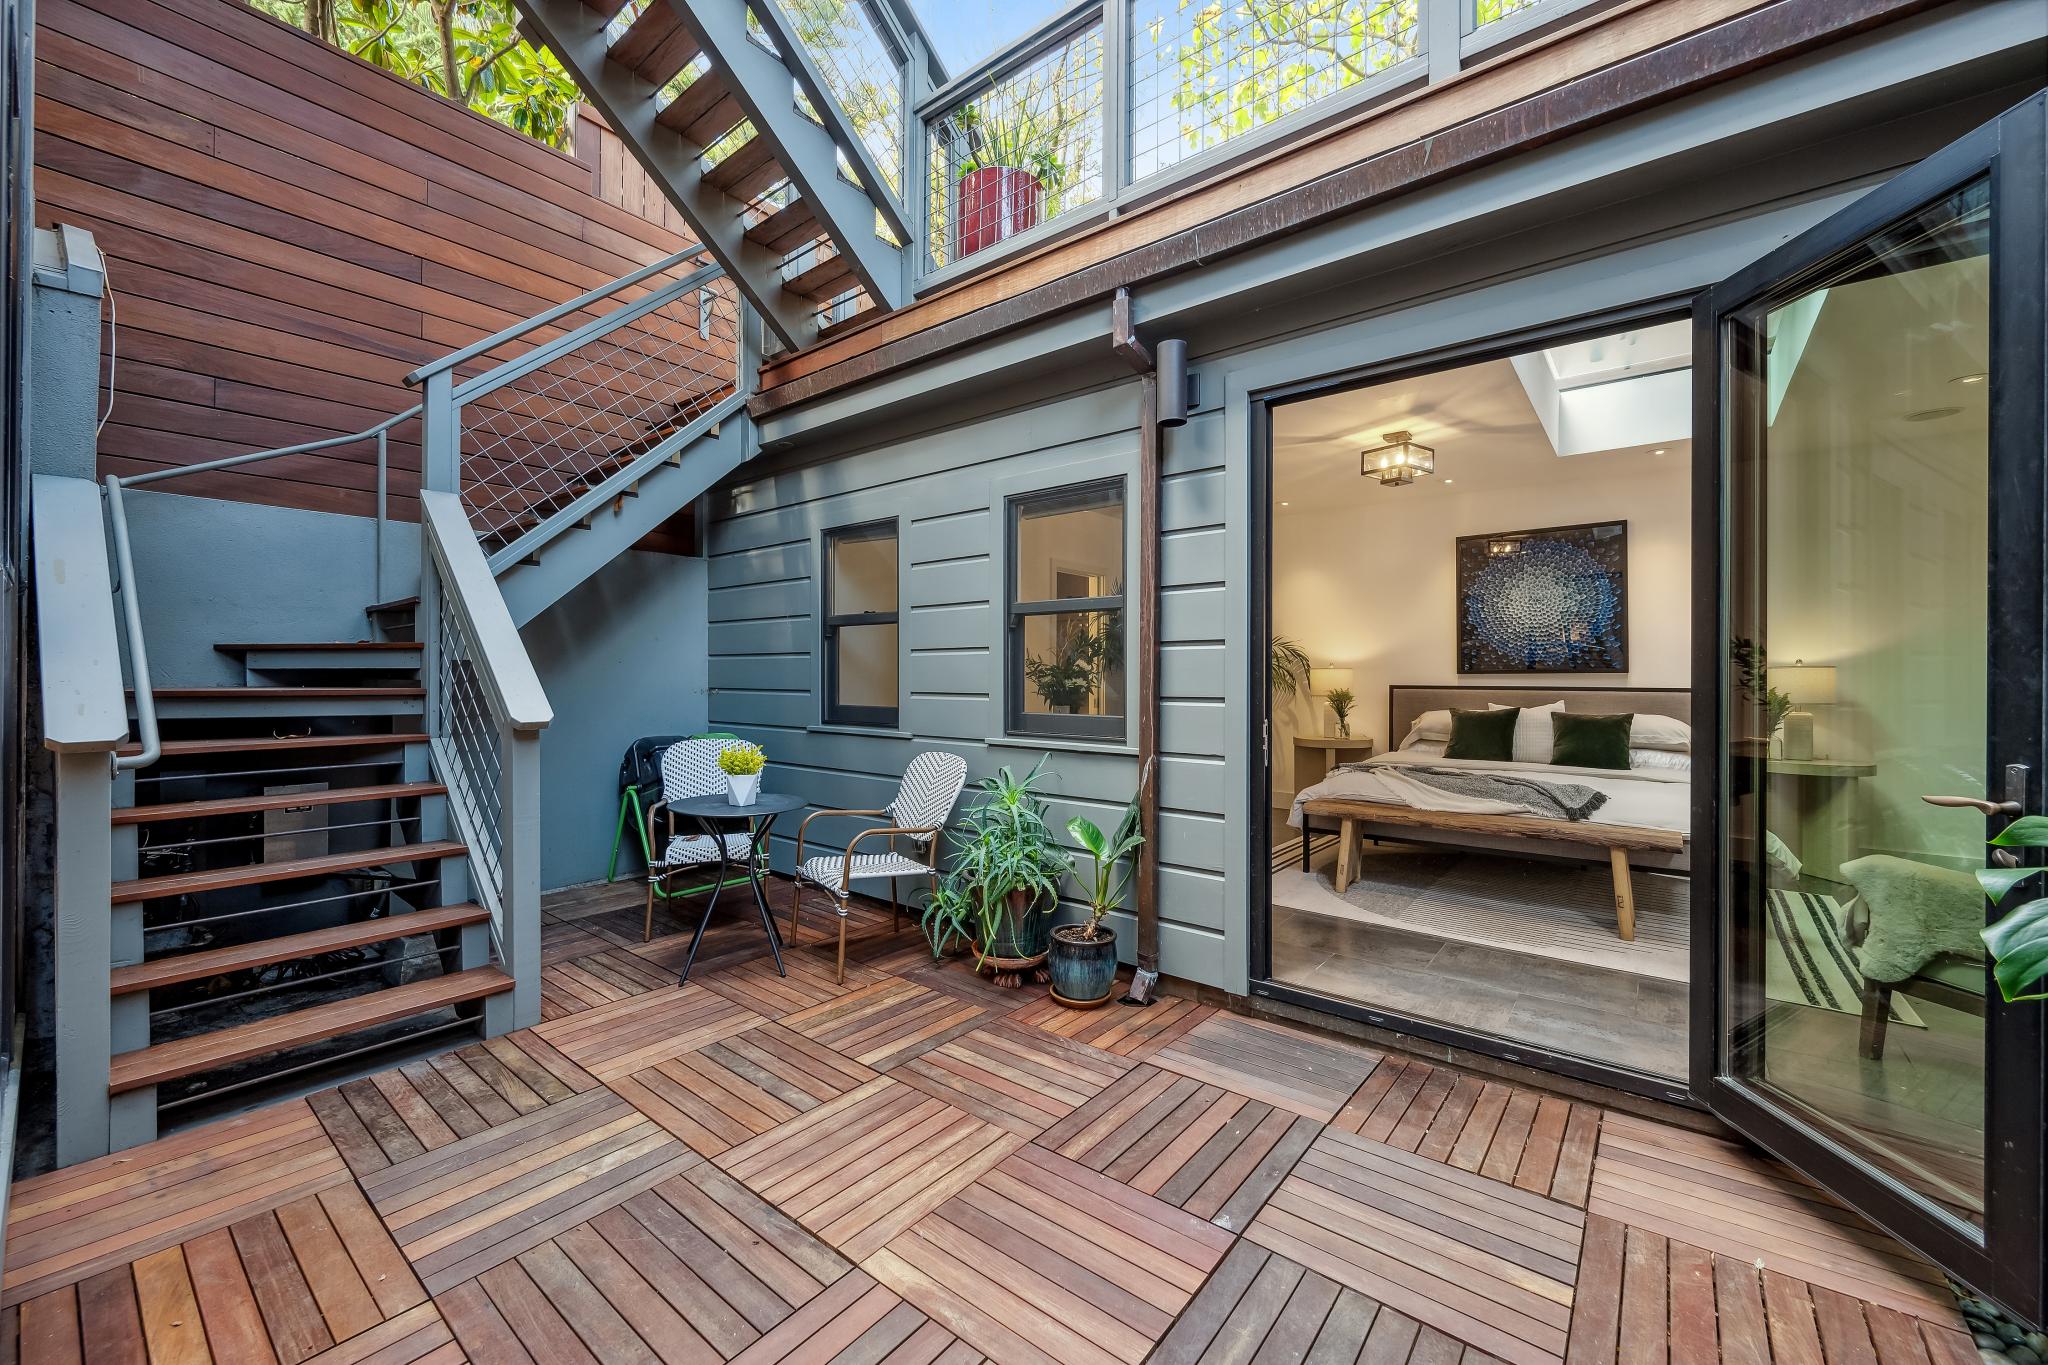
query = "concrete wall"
{"x": 621, "y": 656}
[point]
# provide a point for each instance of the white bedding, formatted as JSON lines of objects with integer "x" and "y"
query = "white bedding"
{"x": 1645, "y": 798}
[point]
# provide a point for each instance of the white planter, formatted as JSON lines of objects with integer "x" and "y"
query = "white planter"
{"x": 743, "y": 791}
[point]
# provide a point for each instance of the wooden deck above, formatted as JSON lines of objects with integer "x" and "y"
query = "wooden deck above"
{"x": 914, "y": 1167}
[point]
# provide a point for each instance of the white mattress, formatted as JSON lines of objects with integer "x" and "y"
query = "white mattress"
{"x": 1642, "y": 798}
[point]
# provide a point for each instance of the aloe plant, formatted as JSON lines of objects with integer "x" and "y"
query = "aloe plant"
{"x": 2019, "y": 940}
{"x": 1003, "y": 844}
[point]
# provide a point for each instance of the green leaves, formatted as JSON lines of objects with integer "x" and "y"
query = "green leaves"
{"x": 1111, "y": 878}
{"x": 2029, "y": 831}
{"x": 2019, "y": 944}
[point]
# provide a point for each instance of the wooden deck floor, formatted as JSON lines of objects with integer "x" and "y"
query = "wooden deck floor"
{"x": 915, "y": 1167}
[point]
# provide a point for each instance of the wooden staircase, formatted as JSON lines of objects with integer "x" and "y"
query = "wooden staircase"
{"x": 290, "y": 903}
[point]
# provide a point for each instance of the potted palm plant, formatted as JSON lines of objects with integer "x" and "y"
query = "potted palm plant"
{"x": 1083, "y": 956}
{"x": 1010, "y": 161}
{"x": 1004, "y": 880}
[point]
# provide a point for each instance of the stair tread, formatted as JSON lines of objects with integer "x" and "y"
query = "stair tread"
{"x": 243, "y": 805}
{"x": 169, "y": 971}
{"x": 215, "y": 879}
{"x": 271, "y": 693}
{"x": 245, "y": 744}
{"x": 203, "y": 1052}
{"x": 364, "y": 646}
{"x": 826, "y": 279}
{"x": 395, "y": 604}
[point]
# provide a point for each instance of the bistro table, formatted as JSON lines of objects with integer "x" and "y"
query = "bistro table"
{"x": 716, "y": 816}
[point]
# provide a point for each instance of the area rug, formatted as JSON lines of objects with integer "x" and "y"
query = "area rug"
{"x": 1807, "y": 961}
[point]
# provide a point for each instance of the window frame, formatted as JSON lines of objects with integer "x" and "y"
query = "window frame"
{"x": 1107, "y": 729}
{"x": 831, "y": 711}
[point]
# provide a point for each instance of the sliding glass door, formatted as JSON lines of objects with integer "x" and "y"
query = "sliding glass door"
{"x": 1870, "y": 502}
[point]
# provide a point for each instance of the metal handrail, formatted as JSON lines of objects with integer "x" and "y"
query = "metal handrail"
{"x": 555, "y": 314}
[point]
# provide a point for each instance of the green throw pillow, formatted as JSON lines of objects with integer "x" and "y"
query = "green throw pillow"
{"x": 1486, "y": 735}
{"x": 1589, "y": 741}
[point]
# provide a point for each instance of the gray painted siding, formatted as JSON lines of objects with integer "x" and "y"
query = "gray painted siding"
{"x": 948, "y": 492}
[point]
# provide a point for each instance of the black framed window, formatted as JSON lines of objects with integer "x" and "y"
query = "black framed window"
{"x": 1064, "y": 652}
{"x": 860, "y": 624}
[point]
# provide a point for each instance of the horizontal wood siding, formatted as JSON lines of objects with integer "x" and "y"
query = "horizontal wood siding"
{"x": 289, "y": 231}
{"x": 947, "y": 491}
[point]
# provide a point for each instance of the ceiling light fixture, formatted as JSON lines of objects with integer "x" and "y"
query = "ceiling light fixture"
{"x": 1399, "y": 461}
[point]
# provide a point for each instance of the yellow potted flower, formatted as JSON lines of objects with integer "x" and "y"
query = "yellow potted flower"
{"x": 742, "y": 765}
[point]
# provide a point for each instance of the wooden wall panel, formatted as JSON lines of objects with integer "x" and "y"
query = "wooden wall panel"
{"x": 289, "y": 231}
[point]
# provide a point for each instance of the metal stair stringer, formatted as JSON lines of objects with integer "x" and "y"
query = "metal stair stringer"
{"x": 538, "y": 570}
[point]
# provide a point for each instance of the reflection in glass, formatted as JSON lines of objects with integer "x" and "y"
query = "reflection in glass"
{"x": 1074, "y": 664}
{"x": 1859, "y": 451}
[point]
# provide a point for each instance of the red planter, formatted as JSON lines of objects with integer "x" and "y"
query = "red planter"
{"x": 997, "y": 202}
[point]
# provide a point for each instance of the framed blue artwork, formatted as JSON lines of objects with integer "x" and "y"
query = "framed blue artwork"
{"x": 1553, "y": 600}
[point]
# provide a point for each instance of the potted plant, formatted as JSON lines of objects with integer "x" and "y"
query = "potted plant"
{"x": 1009, "y": 162}
{"x": 1004, "y": 880}
{"x": 742, "y": 763}
{"x": 1083, "y": 956}
{"x": 1068, "y": 678}
{"x": 1340, "y": 700}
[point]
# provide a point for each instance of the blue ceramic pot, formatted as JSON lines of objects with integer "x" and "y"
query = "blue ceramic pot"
{"x": 1083, "y": 970}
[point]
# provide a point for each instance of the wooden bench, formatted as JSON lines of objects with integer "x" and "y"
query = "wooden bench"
{"x": 1552, "y": 837}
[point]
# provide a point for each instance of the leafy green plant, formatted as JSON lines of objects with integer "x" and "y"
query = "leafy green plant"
{"x": 1753, "y": 674}
{"x": 742, "y": 759}
{"x": 1110, "y": 878}
{"x": 1087, "y": 647}
{"x": 2019, "y": 940}
{"x": 1288, "y": 671}
{"x": 1003, "y": 844}
{"x": 1340, "y": 700}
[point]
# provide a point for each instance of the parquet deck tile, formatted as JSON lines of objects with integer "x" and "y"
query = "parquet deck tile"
{"x": 1288, "y": 1068}
{"x": 862, "y": 1168}
{"x": 1542, "y": 1143}
{"x": 1131, "y": 1031}
{"x": 1260, "y": 1306}
{"x": 726, "y": 1092}
{"x": 395, "y": 1115}
{"x": 562, "y": 940}
{"x": 633, "y": 1034}
{"x": 1210, "y": 1151}
{"x": 1733, "y": 1202}
{"x": 597, "y": 978}
{"x": 477, "y": 1203}
{"x": 887, "y": 1023}
{"x": 1017, "y": 1077}
{"x": 1644, "y": 1299}
{"x": 75, "y": 1222}
{"x": 1482, "y": 1262}
{"x": 318, "y": 1278}
{"x": 1044, "y": 1262}
{"x": 811, "y": 980}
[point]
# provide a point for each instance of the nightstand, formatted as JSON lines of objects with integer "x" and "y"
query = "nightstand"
{"x": 1315, "y": 755}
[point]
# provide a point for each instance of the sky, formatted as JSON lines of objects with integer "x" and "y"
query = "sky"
{"x": 965, "y": 31}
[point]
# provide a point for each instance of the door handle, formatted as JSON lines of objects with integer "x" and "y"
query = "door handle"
{"x": 1976, "y": 804}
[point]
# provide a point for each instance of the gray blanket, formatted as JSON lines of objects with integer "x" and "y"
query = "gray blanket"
{"x": 1554, "y": 800}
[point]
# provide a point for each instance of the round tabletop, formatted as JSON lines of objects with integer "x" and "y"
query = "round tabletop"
{"x": 717, "y": 807}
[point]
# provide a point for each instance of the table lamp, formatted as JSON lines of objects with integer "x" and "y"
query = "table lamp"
{"x": 1803, "y": 684}
{"x": 1324, "y": 680}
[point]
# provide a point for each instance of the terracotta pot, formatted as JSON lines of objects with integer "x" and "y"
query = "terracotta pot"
{"x": 997, "y": 202}
{"x": 1083, "y": 969}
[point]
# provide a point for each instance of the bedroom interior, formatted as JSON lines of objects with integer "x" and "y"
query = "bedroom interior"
{"x": 1517, "y": 533}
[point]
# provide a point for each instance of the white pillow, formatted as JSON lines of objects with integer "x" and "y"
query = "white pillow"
{"x": 1430, "y": 725}
{"x": 1533, "y": 737}
{"x": 1425, "y": 748}
{"x": 1669, "y": 760}
{"x": 1659, "y": 732}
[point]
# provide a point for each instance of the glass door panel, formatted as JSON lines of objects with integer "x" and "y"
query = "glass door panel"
{"x": 1858, "y": 629}
{"x": 1873, "y": 509}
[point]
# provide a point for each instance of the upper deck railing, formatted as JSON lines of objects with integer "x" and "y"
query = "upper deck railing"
{"x": 1112, "y": 102}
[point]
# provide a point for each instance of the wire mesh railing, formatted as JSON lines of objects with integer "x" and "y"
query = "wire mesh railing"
{"x": 467, "y": 741}
{"x": 1026, "y": 148}
{"x": 1203, "y": 75}
{"x": 568, "y": 407}
{"x": 860, "y": 70}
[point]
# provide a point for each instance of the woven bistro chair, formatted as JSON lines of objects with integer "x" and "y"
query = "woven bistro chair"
{"x": 689, "y": 769}
{"x": 931, "y": 784}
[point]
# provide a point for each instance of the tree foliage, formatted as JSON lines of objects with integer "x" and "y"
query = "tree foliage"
{"x": 468, "y": 50}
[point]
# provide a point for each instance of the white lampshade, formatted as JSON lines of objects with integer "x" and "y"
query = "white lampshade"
{"x": 1323, "y": 681}
{"x": 1806, "y": 684}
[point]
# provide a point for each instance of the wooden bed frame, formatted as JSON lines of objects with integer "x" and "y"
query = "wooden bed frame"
{"x": 1624, "y": 846}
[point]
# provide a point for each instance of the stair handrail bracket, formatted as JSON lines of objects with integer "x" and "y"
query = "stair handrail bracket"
{"x": 485, "y": 711}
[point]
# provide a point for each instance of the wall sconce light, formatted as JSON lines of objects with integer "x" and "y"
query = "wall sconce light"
{"x": 1399, "y": 461}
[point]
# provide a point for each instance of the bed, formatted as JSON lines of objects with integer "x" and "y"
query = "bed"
{"x": 1645, "y": 822}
